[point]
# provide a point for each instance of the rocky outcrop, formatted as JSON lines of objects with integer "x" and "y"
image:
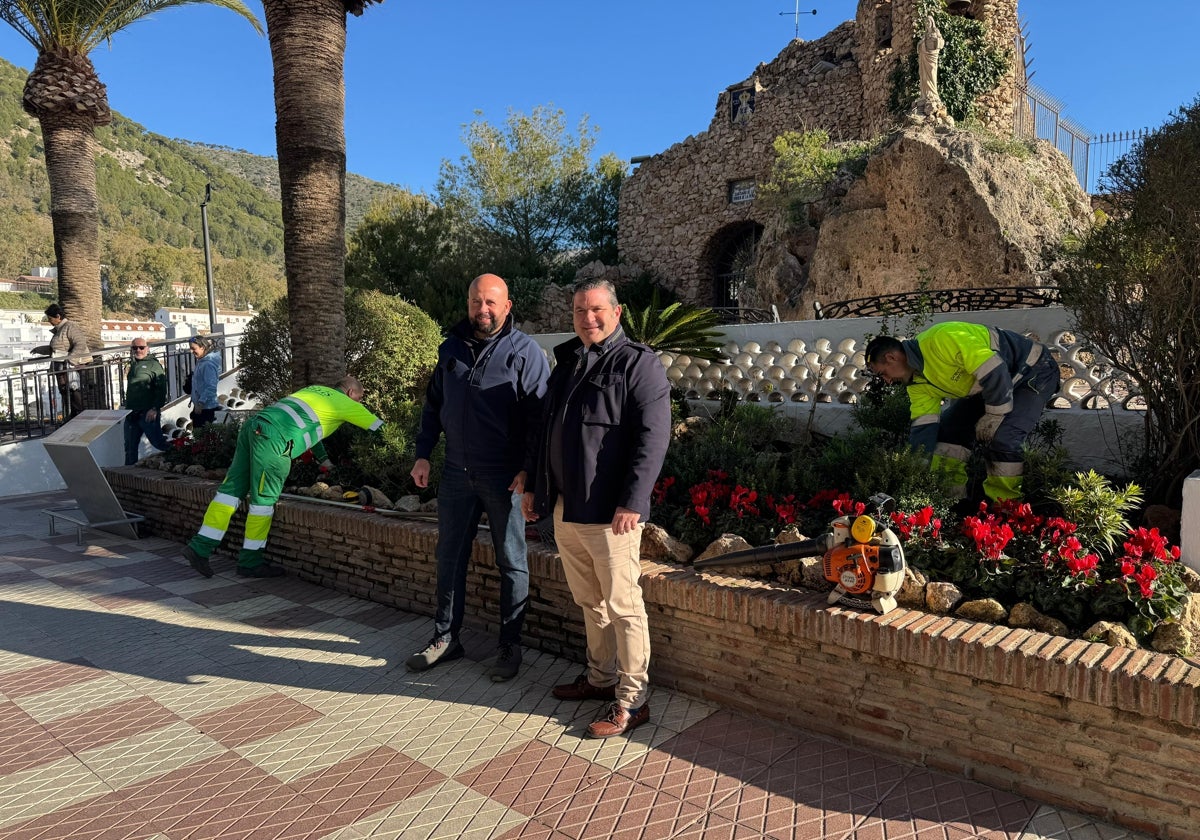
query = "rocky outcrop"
{"x": 934, "y": 209}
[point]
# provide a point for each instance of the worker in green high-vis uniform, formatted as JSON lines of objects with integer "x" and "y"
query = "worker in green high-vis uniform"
{"x": 267, "y": 444}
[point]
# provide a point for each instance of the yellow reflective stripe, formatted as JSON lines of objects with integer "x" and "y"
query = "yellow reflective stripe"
{"x": 288, "y": 402}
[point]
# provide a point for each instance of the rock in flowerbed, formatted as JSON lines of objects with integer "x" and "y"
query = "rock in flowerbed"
{"x": 1177, "y": 637}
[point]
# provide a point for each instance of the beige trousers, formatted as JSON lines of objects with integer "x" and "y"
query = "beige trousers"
{"x": 602, "y": 570}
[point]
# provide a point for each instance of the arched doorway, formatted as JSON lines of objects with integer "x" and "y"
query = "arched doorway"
{"x": 732, "y": 253}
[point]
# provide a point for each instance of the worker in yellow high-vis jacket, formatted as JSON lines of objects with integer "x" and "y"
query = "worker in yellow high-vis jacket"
{"x": 997, "y": 382}
{"x": 266, "y": 446}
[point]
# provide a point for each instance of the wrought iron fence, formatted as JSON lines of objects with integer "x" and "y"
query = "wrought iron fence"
{"x": 36, "y": 399}
{"x": 940, "y": 300}
{"x": 1039, "y": 115}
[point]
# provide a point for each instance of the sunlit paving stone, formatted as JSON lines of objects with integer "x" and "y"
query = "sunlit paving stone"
{"x": 208, "y": 707}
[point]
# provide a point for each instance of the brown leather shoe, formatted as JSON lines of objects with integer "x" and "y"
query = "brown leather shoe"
{"x": 582, "y": 689}
{"x": 618, "y": 720}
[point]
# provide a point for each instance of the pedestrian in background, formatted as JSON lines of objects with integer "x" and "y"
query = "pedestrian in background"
{"x": 204, "y": 380}
{"x": 68, "y": 351}
{"x": 145, "y": 396}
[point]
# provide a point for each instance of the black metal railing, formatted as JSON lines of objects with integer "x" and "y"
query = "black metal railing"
{"x": 1038, "y": 114}
{"x": 36, "y": 398}
{"x": 744, "y": 315}
{"x": 940, "y": 300}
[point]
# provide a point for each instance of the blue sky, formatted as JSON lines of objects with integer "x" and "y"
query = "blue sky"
{"x": 645, "y": 73}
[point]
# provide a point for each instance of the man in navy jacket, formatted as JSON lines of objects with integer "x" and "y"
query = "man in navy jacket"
{"x": 484, "y": 396}
{"x": 606, "y": 424}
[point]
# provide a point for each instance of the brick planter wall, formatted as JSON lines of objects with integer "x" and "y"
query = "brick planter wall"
{"x": 1107, "y": 731}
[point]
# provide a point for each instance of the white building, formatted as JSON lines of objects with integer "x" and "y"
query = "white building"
{"x": 192, "y": 321}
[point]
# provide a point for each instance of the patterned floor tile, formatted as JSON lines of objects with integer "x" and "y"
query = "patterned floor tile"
{"x": 820, "y": 788}
{"x": 927, "y": 798}
{"x": 463, "y": 747}
{"x": 43, "y": 789}
{"x": 447, "y": 811}
{"x": 47, "y": 677}
{"x": 533, "y": 776}
{"x": 618, "y": 807}
{"x": 253, "y": 720}
{"x": 107, "y": 724}
{"x": 1052, "y": 824}
{"x": 130, "y": 597}
{"x": 139, "y": 757}
{"x": 25, "y": 743}
{"x": 365, "y": 784}
{"x": 758, "y": 739}
{"x": 76, "y": 698}
{"x": 611, "y": 753}
{"x": 307, "y": 749}
{"x": 711, "y": 827}
{"x": 699, "y": 773}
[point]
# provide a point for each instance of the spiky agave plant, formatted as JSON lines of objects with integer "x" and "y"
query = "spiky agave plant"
{"x": 677, "y": 328}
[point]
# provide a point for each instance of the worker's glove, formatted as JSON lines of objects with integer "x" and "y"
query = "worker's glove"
{"x": 986, "y": 428}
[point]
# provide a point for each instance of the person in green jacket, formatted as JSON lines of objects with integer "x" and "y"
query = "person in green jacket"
{"x": 145, "y": 395}
{"x": 997, "y": 383}
{"x": 267, "y": 444}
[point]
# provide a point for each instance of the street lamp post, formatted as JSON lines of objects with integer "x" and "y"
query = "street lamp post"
{"x": 212, "y": 297}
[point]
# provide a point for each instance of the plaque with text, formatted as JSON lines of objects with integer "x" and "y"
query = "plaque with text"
{"x": 741, "y": 192}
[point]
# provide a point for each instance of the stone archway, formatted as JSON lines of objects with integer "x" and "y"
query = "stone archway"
{"x": 729, "y": 262}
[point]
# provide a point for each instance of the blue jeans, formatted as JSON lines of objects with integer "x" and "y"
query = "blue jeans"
{"x": 137, "y": 425}
{"x": 463, "y": 496}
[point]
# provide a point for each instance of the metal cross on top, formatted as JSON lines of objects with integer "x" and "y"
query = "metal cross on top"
{"x": 797, "y": 16}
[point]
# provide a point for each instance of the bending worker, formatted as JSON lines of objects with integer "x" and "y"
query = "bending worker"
{"x": 998, "y": 382}
{"x": 266, "y": 446}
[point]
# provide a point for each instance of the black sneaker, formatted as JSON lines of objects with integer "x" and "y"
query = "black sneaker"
{"x": 200, "y": 564}
{"x": 262, "y": 570}
{"x": 439, "y": 650}
{"x": 508, "y": 662}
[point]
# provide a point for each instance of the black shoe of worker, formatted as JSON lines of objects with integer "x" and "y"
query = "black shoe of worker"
{"x": 200, "y": 564}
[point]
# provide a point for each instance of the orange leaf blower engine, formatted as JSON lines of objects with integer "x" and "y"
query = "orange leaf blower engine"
{"x": 861, "y": 557}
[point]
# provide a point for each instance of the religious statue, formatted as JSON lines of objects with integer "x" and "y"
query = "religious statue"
{"x": 929, "y": 103}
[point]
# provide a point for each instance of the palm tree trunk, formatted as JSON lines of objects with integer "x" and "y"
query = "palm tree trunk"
{"x": 70, "y": 144}
{"x": 308, "y": 44}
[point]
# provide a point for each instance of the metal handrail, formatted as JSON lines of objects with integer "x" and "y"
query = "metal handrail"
{"x": 35, "y": 398}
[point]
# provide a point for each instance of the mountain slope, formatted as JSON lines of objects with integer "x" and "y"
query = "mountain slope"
{"x": 150, "y": 190}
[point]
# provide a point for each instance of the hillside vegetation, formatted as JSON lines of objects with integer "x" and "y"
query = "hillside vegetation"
{"x": 150, "y": 188}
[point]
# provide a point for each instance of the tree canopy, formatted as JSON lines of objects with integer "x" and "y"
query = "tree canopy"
{"x": 1131, "y": 286}
{"x": 525, "y": 194}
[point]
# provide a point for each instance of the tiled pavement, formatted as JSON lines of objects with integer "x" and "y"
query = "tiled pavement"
{"x": 138, "y": 700}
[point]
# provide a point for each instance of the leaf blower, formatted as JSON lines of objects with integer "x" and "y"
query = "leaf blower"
{"x": 862, "y": 557}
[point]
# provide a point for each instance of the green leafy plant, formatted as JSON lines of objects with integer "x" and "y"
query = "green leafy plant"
{"x": 677, "y": 328}
{"x": 969, "y": 65}
{"x": 1098, "y": 508}
{"x": 805, "y": 162}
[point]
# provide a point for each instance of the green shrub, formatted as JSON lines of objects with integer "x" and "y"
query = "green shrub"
{"x": 391, "y": 346}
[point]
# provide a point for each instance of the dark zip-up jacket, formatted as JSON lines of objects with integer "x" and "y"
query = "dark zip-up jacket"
{"x": 146, "y": 385}
{"x": 485, "y": 406}
{"x": 615, "y": 426}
